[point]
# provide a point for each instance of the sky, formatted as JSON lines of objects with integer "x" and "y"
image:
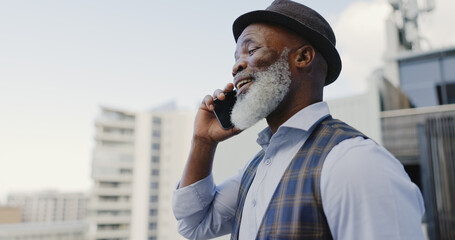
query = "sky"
{"x": 61, "y": 60}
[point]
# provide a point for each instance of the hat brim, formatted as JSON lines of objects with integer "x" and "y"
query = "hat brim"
{"x": 322, "y": 44}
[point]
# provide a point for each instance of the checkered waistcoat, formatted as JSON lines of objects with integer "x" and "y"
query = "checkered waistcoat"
{"x": 295, "y": 210}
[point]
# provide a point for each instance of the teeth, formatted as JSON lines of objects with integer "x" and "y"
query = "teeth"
{"x": 243, "y": 82}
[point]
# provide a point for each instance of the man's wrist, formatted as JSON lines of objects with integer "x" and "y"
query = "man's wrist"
{"x": 203, "y": 142}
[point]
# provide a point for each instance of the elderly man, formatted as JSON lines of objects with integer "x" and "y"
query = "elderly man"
{"x": 316, "y": 177}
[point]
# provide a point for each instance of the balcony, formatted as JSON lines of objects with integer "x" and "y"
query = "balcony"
{"x": 113, "y": 150}
{"x": 115, "y": 137}
{"x": 113, "y": 178}
{"x": 112, "y": 234}
{"x": 108, "y": 122}
{"x": 400, "y": 132}
{"x": 104, "y": 191}
{"x": 112, "y": 219}
{"x": 96, "y": 205}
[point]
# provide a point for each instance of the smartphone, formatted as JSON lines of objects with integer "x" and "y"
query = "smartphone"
{"x": 223, "y": 109}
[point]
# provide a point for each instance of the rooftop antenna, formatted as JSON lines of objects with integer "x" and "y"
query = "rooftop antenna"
{"x": 402, "y": 35}
{"x": 405, "y": 18}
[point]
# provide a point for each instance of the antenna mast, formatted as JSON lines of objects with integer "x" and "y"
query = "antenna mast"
{"x": 405, "y": 17}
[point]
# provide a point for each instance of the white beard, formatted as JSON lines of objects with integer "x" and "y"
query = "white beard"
{"x": 268, "y": 89}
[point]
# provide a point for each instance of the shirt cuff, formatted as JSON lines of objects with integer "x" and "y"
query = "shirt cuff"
{"x": 193, "y": 198}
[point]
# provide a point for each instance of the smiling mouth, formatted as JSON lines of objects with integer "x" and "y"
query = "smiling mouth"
{"x": 241, "y": 83}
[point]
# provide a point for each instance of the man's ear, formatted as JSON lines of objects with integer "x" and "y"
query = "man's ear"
{"x": 304, "y": 56}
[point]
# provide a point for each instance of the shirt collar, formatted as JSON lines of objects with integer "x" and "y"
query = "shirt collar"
{"x": 303, "y": 120}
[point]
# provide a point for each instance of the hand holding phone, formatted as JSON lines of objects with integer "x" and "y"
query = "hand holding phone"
{"x": 223, "y": 109}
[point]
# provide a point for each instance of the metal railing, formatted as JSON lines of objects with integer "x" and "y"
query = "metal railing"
{"x": 437, "y": 141}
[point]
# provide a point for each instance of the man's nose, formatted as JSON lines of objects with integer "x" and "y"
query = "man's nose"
{"x": 239, "y": 66}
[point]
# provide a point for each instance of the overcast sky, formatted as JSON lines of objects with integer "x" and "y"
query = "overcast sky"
{"x": 61, "y": 60}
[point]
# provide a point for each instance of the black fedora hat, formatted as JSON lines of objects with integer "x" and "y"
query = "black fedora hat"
{"x": 302, "y": 20}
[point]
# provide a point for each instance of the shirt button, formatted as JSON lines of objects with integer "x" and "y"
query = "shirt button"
{"x": 253, "y": 202}
{"x": 268, "y": 161}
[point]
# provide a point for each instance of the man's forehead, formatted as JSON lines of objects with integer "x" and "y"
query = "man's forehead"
{"x": 264, "y": 33}
{"x": 252, "y": 33}
{"x": 245, "y": 38}
{"x": 267, "y": 32}
{"x": 256, "y": 28}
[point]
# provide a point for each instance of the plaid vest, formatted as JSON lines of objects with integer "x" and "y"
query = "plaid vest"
{"x": 295, "y": 210}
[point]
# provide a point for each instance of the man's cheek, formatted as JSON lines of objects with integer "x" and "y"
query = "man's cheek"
{"x": 265, "y": 60}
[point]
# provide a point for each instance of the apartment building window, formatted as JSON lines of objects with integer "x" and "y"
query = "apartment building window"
{"x": 108, "y": 198}
{"x": 156, "y": 133}
{"x": 156, "y": 146}
{"x": 446, "y": 93}
{"x": 152, "y": 226}
{"x": 125, "y": 171}
{"x": 114, "y": 185}
{"x": 155, "y": 172}
{"x": 109, "y": 184}
{"x": 153, "y": 212}
{"x": 156, "y": 121}
{"x": 154, "y": 198}
{"x": 114, "y": 213}
{"x": 154, "y": 185}
{"x": 108, "y": 227}
{"x": 155, "y": 159}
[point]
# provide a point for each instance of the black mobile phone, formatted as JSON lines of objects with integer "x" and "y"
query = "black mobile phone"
{"x": 223, "y": 109}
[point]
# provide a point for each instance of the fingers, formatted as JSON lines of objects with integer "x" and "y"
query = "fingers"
{"x": 208, "y": 102}
{"x": 217, "y": 94}
{"x": 229, "y": 87}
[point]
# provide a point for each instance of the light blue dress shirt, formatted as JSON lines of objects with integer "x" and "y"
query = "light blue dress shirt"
{"x": 366, "y": 194}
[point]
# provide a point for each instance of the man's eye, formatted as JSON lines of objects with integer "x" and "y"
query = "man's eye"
{"x": 251, "y": 52}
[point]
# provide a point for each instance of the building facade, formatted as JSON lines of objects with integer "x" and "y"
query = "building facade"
{"x": 50, "y": 206}
{"x": 428, "y": 78}
{"x": 68, "y": 230}
{"x": 137, "y": 160}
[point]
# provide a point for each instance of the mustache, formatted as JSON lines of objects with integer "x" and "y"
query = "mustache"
{"x": 241, "y": 75}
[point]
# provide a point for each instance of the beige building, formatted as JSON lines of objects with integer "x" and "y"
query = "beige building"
{"x": 10, "y": 214}
{"x": 137, "y": 160}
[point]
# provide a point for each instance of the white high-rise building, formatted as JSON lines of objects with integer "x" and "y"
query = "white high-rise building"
{"x": 137, "y": 160}
{"x": 50, "y": 206}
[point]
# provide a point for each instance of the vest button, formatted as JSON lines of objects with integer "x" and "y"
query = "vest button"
{"x": 253, "y": 202}
{"x": 268, "y": 161}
